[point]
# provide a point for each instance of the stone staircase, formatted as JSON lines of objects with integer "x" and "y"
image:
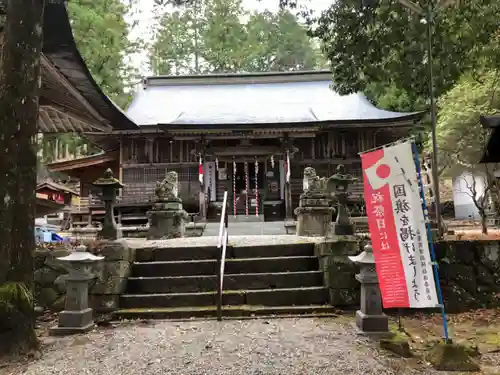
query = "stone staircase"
{"x": 178, "y": 283}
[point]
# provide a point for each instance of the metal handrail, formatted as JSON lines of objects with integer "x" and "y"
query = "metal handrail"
{"x": 223, "y": 240}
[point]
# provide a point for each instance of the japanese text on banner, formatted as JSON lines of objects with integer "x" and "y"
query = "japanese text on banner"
{"x": 397, "y": 228}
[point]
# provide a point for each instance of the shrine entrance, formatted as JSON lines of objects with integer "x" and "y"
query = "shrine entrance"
{"x": 248, "y": 188}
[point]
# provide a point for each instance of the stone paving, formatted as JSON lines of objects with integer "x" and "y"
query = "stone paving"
{"x": 246, "y": 229}
{"x": 234, "y": 240}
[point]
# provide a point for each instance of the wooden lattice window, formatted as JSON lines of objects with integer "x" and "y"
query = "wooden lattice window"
{"x": 152, "y": 175}
{"x": 133, "y": 175}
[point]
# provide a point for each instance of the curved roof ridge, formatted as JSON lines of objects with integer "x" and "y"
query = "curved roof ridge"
{"x": 248, "y": 102}
{"x": 61, "y": 50}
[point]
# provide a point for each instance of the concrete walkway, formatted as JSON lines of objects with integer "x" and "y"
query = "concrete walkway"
{"x": 248, "y": 229}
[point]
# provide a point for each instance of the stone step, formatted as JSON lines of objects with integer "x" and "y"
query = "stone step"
{"x": 277, "y": 250}
{"x": 263, "y": 297}
{"x": 238, "y": 266}
{"x": 207, "y": 283}
{"x": 177, "y": 253}
{"x": 242, "y": 218}
{"x": 212, "y": 252}
{"x": 237, "y": 311}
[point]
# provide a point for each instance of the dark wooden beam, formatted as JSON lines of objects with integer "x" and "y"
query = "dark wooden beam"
{"x": 53, "y": 71}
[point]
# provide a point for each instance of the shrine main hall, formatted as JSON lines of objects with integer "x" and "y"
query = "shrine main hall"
{"x": 252, "y": 134}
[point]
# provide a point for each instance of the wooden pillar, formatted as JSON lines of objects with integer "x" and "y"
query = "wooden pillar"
{"x": 288, "y": 201}
{"x": 202, "y": 195}
{"x": 150, "y": 145}
{"x": 56, "y": 150}
{"x": 288, "y": 188}
{"x": 120, "y": 164}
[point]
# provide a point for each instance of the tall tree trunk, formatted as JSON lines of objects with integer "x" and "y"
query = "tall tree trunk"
{"x": 19, "y": 94}
{"x": 484, "y": 222}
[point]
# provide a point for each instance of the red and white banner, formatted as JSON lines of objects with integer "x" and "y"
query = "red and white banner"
{"x": 200, "y": 172}
{"x": 287, "y": 167}
{"x": 397, "y": 228}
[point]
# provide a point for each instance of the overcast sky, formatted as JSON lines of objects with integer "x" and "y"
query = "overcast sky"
{"x": 145, "y": 18}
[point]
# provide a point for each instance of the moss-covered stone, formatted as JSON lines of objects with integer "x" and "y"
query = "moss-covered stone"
{"x": 54, "y": 263}
{"x": 110, "y": 282}
{"x": 104, "y": 302}
{"x": 45, "y": 297}
{"x": 451, "y": 357}
{"x": 45, "y": 276}
{"x": 60, "y": 283}
{"x": 110, "y": 285}
{"x": 397, "y": 345}
{"x": 115, "y": 251}
{"x": 469, "y": 273}
{"x": 59, "y": 304}
{"x": 39, "y": 257}
{"x": 344, "y": 297}
{"x": 338, "y": 270}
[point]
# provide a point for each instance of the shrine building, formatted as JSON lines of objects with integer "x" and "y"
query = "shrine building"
{"x": 246, "y": 130}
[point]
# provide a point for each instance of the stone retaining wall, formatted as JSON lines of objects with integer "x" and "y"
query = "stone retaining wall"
{"x": 50, "y": 287}
{"x": 469, "y": 272}
{"x": 338, "y": 270}
{"x": 105, "y": 290}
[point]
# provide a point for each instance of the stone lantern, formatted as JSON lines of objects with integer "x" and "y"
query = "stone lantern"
{"x": 338, "y": 185}
{"x": 109, "y": 186}
{"x": 369, "y": 318}
{"x": 77, "y": 315}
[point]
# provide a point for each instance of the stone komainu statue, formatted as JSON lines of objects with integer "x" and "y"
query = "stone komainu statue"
{"x": 168, "y": 188}
{"x": 312, "y": 183}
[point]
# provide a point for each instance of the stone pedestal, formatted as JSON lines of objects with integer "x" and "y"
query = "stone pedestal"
{"x": 77, "y": 315}
{"x": 369, "y": 318}
{"x": 314, "y": 215}
{"x": 338, "y": 186}
{"x": 343, "y": 225}
{"x": 167, "y": 220}
{"x": 338, "y": 271}
{"x": 109, "y": 230}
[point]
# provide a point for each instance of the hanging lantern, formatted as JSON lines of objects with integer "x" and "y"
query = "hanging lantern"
{"x": 217, "y": 164}
{"x": 272, "y": 161}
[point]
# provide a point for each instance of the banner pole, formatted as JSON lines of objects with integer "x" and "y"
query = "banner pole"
{"x": 431, "y": 244}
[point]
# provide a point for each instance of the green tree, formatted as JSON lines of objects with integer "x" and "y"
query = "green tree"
{"x": 216, "y": 36}
{"x": 174, "y": 50}
{"x": 223, "y": 36}
{"x": 19, "y": 95}
{"x": 102, "y": 36}
{"x": 385, "y": 45}
{"x": 278, "y": 42}
{"x": 461, "y": 138}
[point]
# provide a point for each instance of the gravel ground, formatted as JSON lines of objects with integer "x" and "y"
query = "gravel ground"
{"x": 281, "y": 346}
{"x": 257, "y": 240}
